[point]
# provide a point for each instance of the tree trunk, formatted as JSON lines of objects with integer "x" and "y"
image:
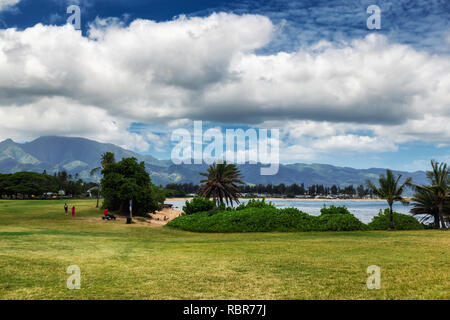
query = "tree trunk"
{"x": 436, "y": 221}
{"x": 98, "y": 195}
{"x": 391, "y": 217}
{"x": 441, "y": 214}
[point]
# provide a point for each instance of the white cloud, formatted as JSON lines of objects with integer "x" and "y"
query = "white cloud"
{"x": 351, "y": 142}
{"x": 46, "y": 117}
{"x": 312, "y": 140}
{"x": 425, "y": 164}
{"x": 6, "y": 4}
{"x": 366, "y": 95}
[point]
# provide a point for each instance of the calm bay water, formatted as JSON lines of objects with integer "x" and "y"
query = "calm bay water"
{"x": 363, "y": 210}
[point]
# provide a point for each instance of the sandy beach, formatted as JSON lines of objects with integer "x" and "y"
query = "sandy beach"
{"x": 160, "y": 218}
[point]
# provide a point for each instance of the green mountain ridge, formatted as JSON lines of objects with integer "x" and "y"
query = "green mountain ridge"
{"x": 80, "y": 156}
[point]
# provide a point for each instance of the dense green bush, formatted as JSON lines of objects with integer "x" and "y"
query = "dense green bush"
{"x": 401, "y": 221}
{"x": 296, "y": 220}
{"x": 334, "y": 210}
{"x": 256, "y": 204}
{"x": 339, "y": 219}
{"x": 340, "y": 222}
{"x": 258, "y": 216}
{"x": 268, "y": 218}
{"x": 198, "y": 204}
{"x": 245, "y": 220}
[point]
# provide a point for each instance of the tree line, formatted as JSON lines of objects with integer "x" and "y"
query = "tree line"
{"x": 182, "y": 189}
{"x": 29, "y": 184}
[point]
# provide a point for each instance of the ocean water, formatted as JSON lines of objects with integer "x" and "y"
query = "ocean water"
{"x": 363, "y": 210}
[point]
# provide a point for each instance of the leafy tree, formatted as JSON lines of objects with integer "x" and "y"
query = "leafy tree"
{"x": 424, "y": 203}
{"x": 391, "y": 190}
{"x": 361, "y": 191}
{"x": 182, "y": 188}
{"x": 106, "y": 159}
{"x": 334, "y": 190}
{"x": 160, "y": 194}
{"x": 221, "y": 183}
{"x": 440, "y": 180}
{"x": 128, "y": 180}
{"x": 62, "y": 177}
{"x": 27, "y": 184}
{"x": 36, "y": 184}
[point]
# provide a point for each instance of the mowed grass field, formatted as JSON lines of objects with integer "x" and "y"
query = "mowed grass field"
{"x": 118, "y": 261}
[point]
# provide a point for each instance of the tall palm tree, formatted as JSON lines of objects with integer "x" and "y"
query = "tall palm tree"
{"x": 390, "y": 189}
{"x": 221, "y": 183}
{"x": 107, "y": 158}
{"x": 424, "y": 203}
{"x": 440, "y": 180}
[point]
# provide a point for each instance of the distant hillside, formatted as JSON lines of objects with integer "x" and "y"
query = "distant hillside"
{"x": 78, "y": 155}
{"x": 75, "y": 155}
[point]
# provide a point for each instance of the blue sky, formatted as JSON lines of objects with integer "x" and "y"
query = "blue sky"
{"x": 307, "y": 22}
{"x": 423, "y": 24}
{"x": 391, "y": 111}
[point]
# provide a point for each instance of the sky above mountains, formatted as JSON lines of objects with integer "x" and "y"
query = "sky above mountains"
{"x": 339, "y": 93}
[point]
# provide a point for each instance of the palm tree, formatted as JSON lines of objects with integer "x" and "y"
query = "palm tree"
{"x": 221, "y": 183}
{"x": 391, "y": 190}
{"x": 107, "y": 158}
{"x": 424, "y": 202}
{"x": 440, "y": 180}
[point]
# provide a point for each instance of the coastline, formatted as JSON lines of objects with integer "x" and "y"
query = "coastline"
{"x": 289, "y": 199}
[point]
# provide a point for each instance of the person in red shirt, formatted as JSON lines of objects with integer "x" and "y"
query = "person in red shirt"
{"x": 73, "y": 211}
{"x": 108, "y": 216}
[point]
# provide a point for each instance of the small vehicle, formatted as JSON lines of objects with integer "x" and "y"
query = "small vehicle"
{"x": 109, "y": 216}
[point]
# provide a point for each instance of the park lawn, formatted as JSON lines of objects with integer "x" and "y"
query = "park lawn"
{"x": 118, "y": 261}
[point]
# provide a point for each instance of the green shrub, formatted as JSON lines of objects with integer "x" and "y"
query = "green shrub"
{"x": 339, "y": 219}
{"x": 296, "y": 220}
{"x": 340, "y": 222}
{"x": 198, "y": 204}
{"x": 266, "y": 219}
{"x": 334, "y": 210}
{"x": 244, "y": 220}
{"x": 401, "y": 221}
{"x": 256, "y": 204}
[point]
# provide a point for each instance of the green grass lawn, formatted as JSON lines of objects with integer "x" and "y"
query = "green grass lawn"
{"x": 118, "y": 261}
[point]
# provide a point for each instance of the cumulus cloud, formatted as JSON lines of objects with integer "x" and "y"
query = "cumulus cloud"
{"x": 306, "y": 140}
{"x": 209, "y": 68}
{"x": 59, "y": 116}
{"x": 303, "y": 23}
{"x": 368, "y": 81}
{"x": 5, "y": 4}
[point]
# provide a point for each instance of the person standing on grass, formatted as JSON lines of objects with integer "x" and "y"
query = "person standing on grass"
{"x": 73, "y": 211}
{"x": 66, "y": 207}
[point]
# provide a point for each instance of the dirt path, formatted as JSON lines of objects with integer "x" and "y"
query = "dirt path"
{"x": 157, "y": 219}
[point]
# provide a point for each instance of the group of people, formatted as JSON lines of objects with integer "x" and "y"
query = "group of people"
{"x": 66, "y": 209}
{"x": 108, "y": 216}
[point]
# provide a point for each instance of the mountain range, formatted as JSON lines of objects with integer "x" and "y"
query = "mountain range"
{"x": 80, "y": 156}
